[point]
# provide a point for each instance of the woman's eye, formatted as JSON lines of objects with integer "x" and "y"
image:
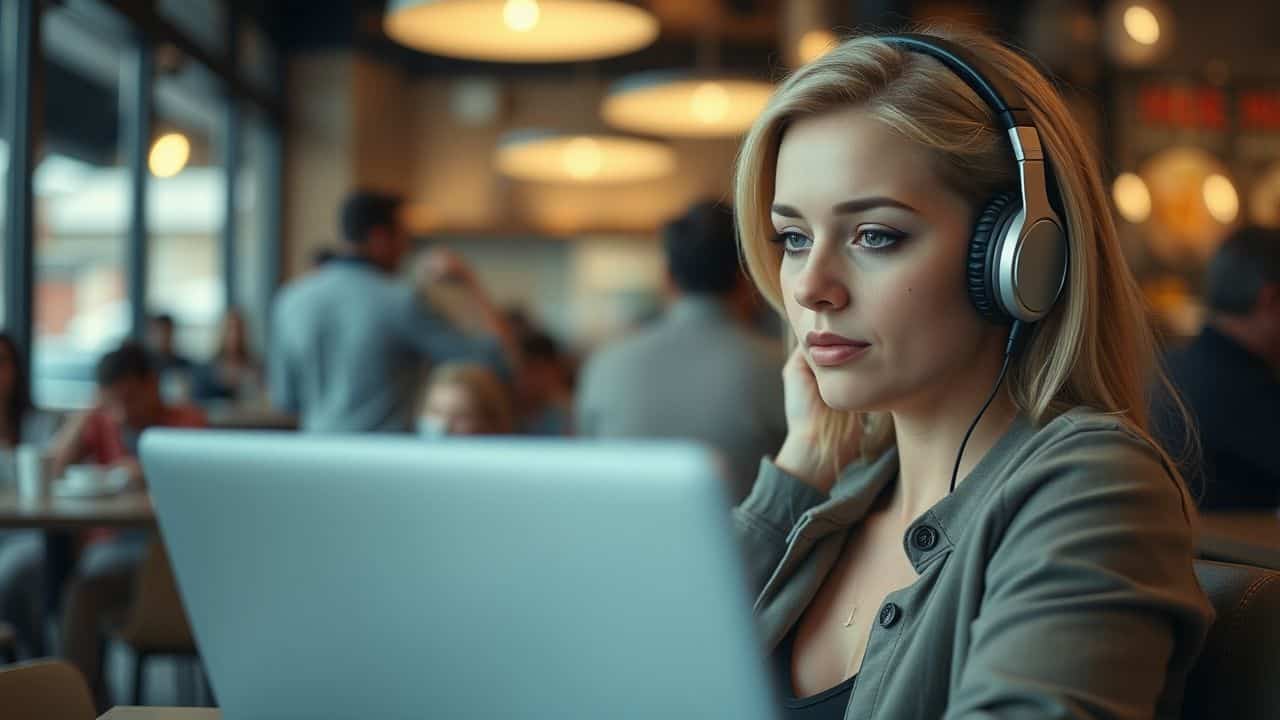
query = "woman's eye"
{"x": 793, "y": 242}
{"x": 877, "y": 239}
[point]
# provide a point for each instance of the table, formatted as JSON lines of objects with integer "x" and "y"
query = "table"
{"x": 1248, "y": 537}
{"x": 159, "y": 713}
{"x": 125, "y": 510}
{"x": 59, "y": 516}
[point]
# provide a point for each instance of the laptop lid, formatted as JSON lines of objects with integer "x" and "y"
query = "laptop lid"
{"x": 380, "y": 577}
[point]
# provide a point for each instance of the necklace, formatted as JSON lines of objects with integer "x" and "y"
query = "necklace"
{"x": 852, "y": 612}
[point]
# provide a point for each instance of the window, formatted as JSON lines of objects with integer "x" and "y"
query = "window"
{"x": 81, "y": 202}
{"x": 255, "y": 235}
{"x": 186, "y": 206}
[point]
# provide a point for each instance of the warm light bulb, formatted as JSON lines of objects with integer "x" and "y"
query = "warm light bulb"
{"x": 709, "y": 103}
{"x": 521, "y": 15}
{"x": 1132, "y": 198}
{"x": 1142, "y": 25}
{"x": 1220, "y": 199}
{"x": 814, "y": 44}
{"x": 169, "y": 155}
{"x": 583, "y": 159}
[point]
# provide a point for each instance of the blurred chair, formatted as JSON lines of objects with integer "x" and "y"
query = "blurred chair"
{"x": 156, "y": 624}
{"x": 44, "y": 690}
{"x": 8, "y": 644}
{"x": 1236, "y": 674}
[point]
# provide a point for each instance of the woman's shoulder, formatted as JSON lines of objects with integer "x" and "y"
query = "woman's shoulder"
{"x": 1086, "y": 458}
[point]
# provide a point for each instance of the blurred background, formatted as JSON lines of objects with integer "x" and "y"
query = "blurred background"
{"x": 184, "y": 157}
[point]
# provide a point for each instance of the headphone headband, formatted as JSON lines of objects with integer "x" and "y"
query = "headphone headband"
{"x": 995, "y": 90}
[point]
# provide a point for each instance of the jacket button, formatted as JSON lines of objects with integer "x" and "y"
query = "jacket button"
{"x": 889, "y": 615}
{"x": 924, "y": 538}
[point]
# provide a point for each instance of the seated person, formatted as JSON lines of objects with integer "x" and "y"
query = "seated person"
{"x": 127, "y": 403}
{"x": 20, "y": 550}
{"x": 1229, "y": 379}
{"x": 233, "y": 376}
{"x": 957, "y": 524}
{"x": 465, "y": 399}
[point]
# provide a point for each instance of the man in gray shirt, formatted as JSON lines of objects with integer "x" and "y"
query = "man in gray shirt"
{"x": 699, "y": 372}
{"x": 351, "y": 343}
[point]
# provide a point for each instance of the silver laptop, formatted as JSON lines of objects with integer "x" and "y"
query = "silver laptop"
{"x": 380, "y": 578}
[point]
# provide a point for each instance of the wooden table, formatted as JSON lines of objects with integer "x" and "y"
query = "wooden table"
{"x": 125, "y": 510}
{"x": 59, "y": 516}
{"x": 1251, "y": 538}
{"x": 159, "y": 713}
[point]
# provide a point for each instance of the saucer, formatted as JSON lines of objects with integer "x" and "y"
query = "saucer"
{"x": 110, "y": 484}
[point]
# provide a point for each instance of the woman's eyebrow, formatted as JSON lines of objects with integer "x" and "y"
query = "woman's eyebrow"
{"x": 848, "y": 207}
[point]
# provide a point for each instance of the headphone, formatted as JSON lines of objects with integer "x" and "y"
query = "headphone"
{"x": 1017, "y": 259}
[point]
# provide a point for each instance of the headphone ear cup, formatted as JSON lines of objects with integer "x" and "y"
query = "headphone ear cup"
{"x": 991, "y": 226}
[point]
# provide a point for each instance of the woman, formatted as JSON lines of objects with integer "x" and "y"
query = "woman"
{"x": 465, "y": 399}
{"x": 234, "y": 374}
{"x": 20, "y": 551}
{"x": 1032, "y": 560}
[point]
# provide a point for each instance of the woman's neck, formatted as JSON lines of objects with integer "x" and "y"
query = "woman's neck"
{"x": 929, "y": 436}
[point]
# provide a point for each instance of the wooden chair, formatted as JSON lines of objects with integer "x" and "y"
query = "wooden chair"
{"x": 156, "y": 624}
{"x": 44, "y": 690}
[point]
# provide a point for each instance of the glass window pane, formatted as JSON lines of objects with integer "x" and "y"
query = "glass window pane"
{"x": 185, "y": 207}
{"x": 81, "y": 198}
{"x": 204, "y": 21}
{"x": 4, "y": 165}
{"x": 253, "y": 233}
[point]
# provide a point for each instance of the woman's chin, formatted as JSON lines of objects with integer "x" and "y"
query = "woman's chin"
{"x": 843, "y": 395}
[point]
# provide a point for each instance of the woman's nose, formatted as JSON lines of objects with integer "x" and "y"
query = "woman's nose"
{"x": 821, "y": 285}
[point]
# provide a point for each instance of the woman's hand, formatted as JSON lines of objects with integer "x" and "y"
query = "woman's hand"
{"x": 800, "y": 454}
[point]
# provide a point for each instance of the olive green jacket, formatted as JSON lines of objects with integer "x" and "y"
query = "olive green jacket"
{"x": 1055, "y": 582}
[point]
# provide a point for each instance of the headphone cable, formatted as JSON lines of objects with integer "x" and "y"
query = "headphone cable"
{"x": 1015, "y": 333}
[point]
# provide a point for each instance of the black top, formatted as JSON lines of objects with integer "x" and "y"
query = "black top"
{"x": 829, "y": 704}
{"x": 1234, "y": 399}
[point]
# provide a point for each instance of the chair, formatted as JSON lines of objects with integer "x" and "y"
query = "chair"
{"x": 8, "y": 644}
{"x": 156, "y": 624}
{"x": 45, "y": 690}
{"x": 1236, "y": 675}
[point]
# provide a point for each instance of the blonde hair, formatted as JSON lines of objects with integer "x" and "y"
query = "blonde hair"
{"x": 492, "y": 399}
{"x": 1096, "y": 347}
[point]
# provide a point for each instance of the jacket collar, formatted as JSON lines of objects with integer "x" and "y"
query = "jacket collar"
{"x": 935, "y": 531}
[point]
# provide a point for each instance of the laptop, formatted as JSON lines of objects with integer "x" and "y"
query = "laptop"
{"x": 377, "y": 578}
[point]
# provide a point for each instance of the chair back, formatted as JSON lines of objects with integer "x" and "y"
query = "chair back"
{"x": 44, "y": 690}
{"x": 1238, "y": 673}
{"x": 157, "y": 621}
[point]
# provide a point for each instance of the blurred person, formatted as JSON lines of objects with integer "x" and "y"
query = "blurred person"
{"x": 465, "y": 399}
{"x": 177, "y": 372}
{"x": 544, "y": 389}
{"x": 968, "y": 517}
{"x": 21, "y": 551}
{"x": 128, "y": 402}
{"x": 699, "y": 372}
{"x": 234, "y": 374}
{"x": 349, "y": 339}
{"x": 1229, "y": 378}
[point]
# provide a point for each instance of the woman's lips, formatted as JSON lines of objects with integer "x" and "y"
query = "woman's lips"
{"x": 831, "y": 355}
{"x": 828, "y": 349}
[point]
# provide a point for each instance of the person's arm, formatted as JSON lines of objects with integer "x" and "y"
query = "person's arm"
{"x": 764, "y": 519}
{"x": 437, "y": 337}
{"x": 1091, "y": 605}
{"x": 282, "y": 383}
{"x": 68, "y": 445}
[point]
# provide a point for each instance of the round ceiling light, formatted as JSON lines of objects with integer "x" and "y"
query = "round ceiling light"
{"x": 169, "y": 154}
{"x": 547, "y": 156}
{"x": 521, "y": 30}
{"x": 664, "y": 103}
